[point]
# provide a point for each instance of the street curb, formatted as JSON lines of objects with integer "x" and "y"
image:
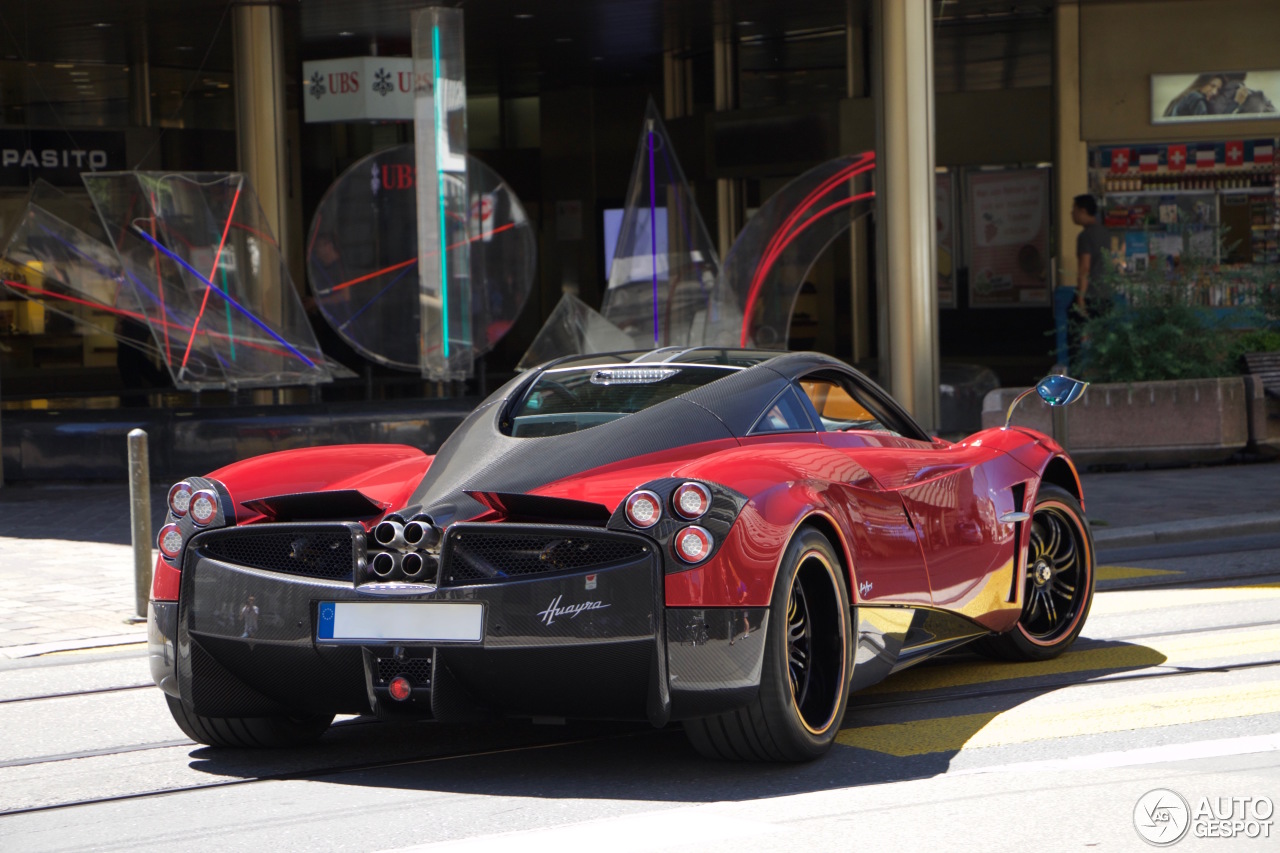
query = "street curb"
{"x": 37, "y": 649}
{"x": 1187, "y": 530}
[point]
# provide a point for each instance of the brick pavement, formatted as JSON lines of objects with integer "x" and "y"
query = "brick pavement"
{"x": 66, "y": 565}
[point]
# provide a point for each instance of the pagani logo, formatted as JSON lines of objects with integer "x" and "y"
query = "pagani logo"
{"x": 317, "y": 85}
{"x": 382, "y": 82}
{"x": 570, "y": 610}
{"x": 1161, "y": 817}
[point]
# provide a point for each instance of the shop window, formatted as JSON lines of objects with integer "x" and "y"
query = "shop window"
{"x": 986, "y": 56}
{"x": 802, "y": 67}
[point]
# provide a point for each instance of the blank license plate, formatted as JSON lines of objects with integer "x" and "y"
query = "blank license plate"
{"x": 409, "y": 621}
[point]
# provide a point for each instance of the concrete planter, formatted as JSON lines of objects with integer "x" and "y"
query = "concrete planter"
{"x": 1186, "y": 420}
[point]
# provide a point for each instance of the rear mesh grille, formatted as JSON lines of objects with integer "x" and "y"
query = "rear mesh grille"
{"x": 493, "y": 557}
{"x": 417, "y": 670}
{"x": 314, "y": 552}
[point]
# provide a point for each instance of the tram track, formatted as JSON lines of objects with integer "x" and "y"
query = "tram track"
{"x": 322, "y": 771}
{"x": 71, "y": 694}
{"x": 948, "y": 696}
{"x": 319, "y": 769}
{"x": 319, "y": 772}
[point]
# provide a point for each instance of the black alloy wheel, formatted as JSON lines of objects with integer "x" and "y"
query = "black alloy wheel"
{"x": 804, "y": 683}
{"x": 1058, "y": 584}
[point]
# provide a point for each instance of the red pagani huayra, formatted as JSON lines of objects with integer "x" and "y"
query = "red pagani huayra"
{"x": 732, "y": 539}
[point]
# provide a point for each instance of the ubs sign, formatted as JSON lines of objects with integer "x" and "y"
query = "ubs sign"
{"x": 57, "y": 156}
{"x": 361, "y": 88}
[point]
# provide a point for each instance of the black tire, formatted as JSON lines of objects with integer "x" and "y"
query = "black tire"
{"x": 1060, "y": 576}
{"x": 804, "y": 683}
{"x": 248, "y": 732}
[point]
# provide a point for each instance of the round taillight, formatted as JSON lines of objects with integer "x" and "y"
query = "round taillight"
{"x": 643, "y": 509}
{"x": 693, "y": 544}
{"x": 204, "y": 507}
{"x": 170, "y": 541}
{"x": 180, "y": 499}
{"x": 692, "y": 500}
{"x": 400, "y": 688}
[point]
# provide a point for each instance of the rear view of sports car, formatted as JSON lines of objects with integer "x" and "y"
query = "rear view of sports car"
{"x": 732, "y": 539}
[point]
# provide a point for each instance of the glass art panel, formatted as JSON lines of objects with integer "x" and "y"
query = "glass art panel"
{"x": 363, "y": 259}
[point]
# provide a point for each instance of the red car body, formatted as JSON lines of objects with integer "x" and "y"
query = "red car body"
{"x": 933, "y": 538}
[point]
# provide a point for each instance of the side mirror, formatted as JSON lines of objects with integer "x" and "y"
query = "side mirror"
{"x": 1056, "y": 390}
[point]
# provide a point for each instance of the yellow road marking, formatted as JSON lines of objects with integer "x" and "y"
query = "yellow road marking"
{"x": 1043, "y": 720}
{"x": 1173, "y": 651}
{"x": 1120, "y": 573}
{"x": 1133, "y": 600}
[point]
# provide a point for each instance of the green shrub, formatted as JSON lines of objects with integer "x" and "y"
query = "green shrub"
{"x": 1150, "y": 342}
{"x": 1178, "y": 325}
{"x": 1254, "y": 340}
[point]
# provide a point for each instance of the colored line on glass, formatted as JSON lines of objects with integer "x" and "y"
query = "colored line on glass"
{"x": 234, "y": 304}
{"x": 444, "y": 240}
{"x": 402, "y": 264}
{"x": 230, "y": 332}
{"x": 217, "y": 258}
{"x": 653, "y": 236}
{"x": 784, "y": 235}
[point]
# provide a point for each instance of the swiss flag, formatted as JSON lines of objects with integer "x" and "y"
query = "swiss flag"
{"x": 1235, "y": 153}
{"x": 1148, "y": 161}
{"x": 1177, "y": 158}
{"x": 1206, "y": 158}
{"x": 1264, "y": 152}
{"x": 1120, "y": 159}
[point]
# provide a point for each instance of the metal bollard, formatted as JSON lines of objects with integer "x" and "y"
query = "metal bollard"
{"x": 140, "y": 519}
{"x": 1060, "y": 433}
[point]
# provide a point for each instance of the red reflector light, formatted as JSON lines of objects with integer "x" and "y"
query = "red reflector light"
{"x": 180, "y": 499}
{"x": 204, "y": 507}
{"x": 170, "y": 541}
{"x": 693, "y": 544}
{"x": 643, "y": 509}
{"x": 692, "y": 500}
{"x": 400, "y": 688}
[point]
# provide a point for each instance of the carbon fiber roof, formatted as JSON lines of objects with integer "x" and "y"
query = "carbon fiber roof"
{"x": 480, "y": 457}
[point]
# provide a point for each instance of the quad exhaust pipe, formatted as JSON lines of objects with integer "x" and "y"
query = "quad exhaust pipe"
{"x": 393, "y": 532}
{"x": 420, "y": 567}
{"x": 386, "y": 564}
{"x": 390, "y": 534}
{"x": 421, "y": 533}
{"x": 413, "y": 566}
{"x": 405, "y": 542}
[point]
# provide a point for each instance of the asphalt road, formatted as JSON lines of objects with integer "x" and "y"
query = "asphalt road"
{"x": 1174, "y": 684}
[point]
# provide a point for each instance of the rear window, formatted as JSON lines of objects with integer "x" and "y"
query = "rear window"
{"x": 566, "y": 400}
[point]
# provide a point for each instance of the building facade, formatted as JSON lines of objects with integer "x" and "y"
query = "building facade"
{"x": 1031, "y": 103}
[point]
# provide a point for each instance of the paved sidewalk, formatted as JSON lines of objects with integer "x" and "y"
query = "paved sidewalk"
{"x": 66, "y": 565}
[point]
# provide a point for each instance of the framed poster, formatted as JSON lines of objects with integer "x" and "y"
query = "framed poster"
{"x": 1008, "y": 225}
{"x": 1214, "y": 96}
{"x": 944, "y": 210}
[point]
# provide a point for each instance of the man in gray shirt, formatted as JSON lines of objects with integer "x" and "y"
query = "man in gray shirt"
{"x": 1091, "y": 248}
